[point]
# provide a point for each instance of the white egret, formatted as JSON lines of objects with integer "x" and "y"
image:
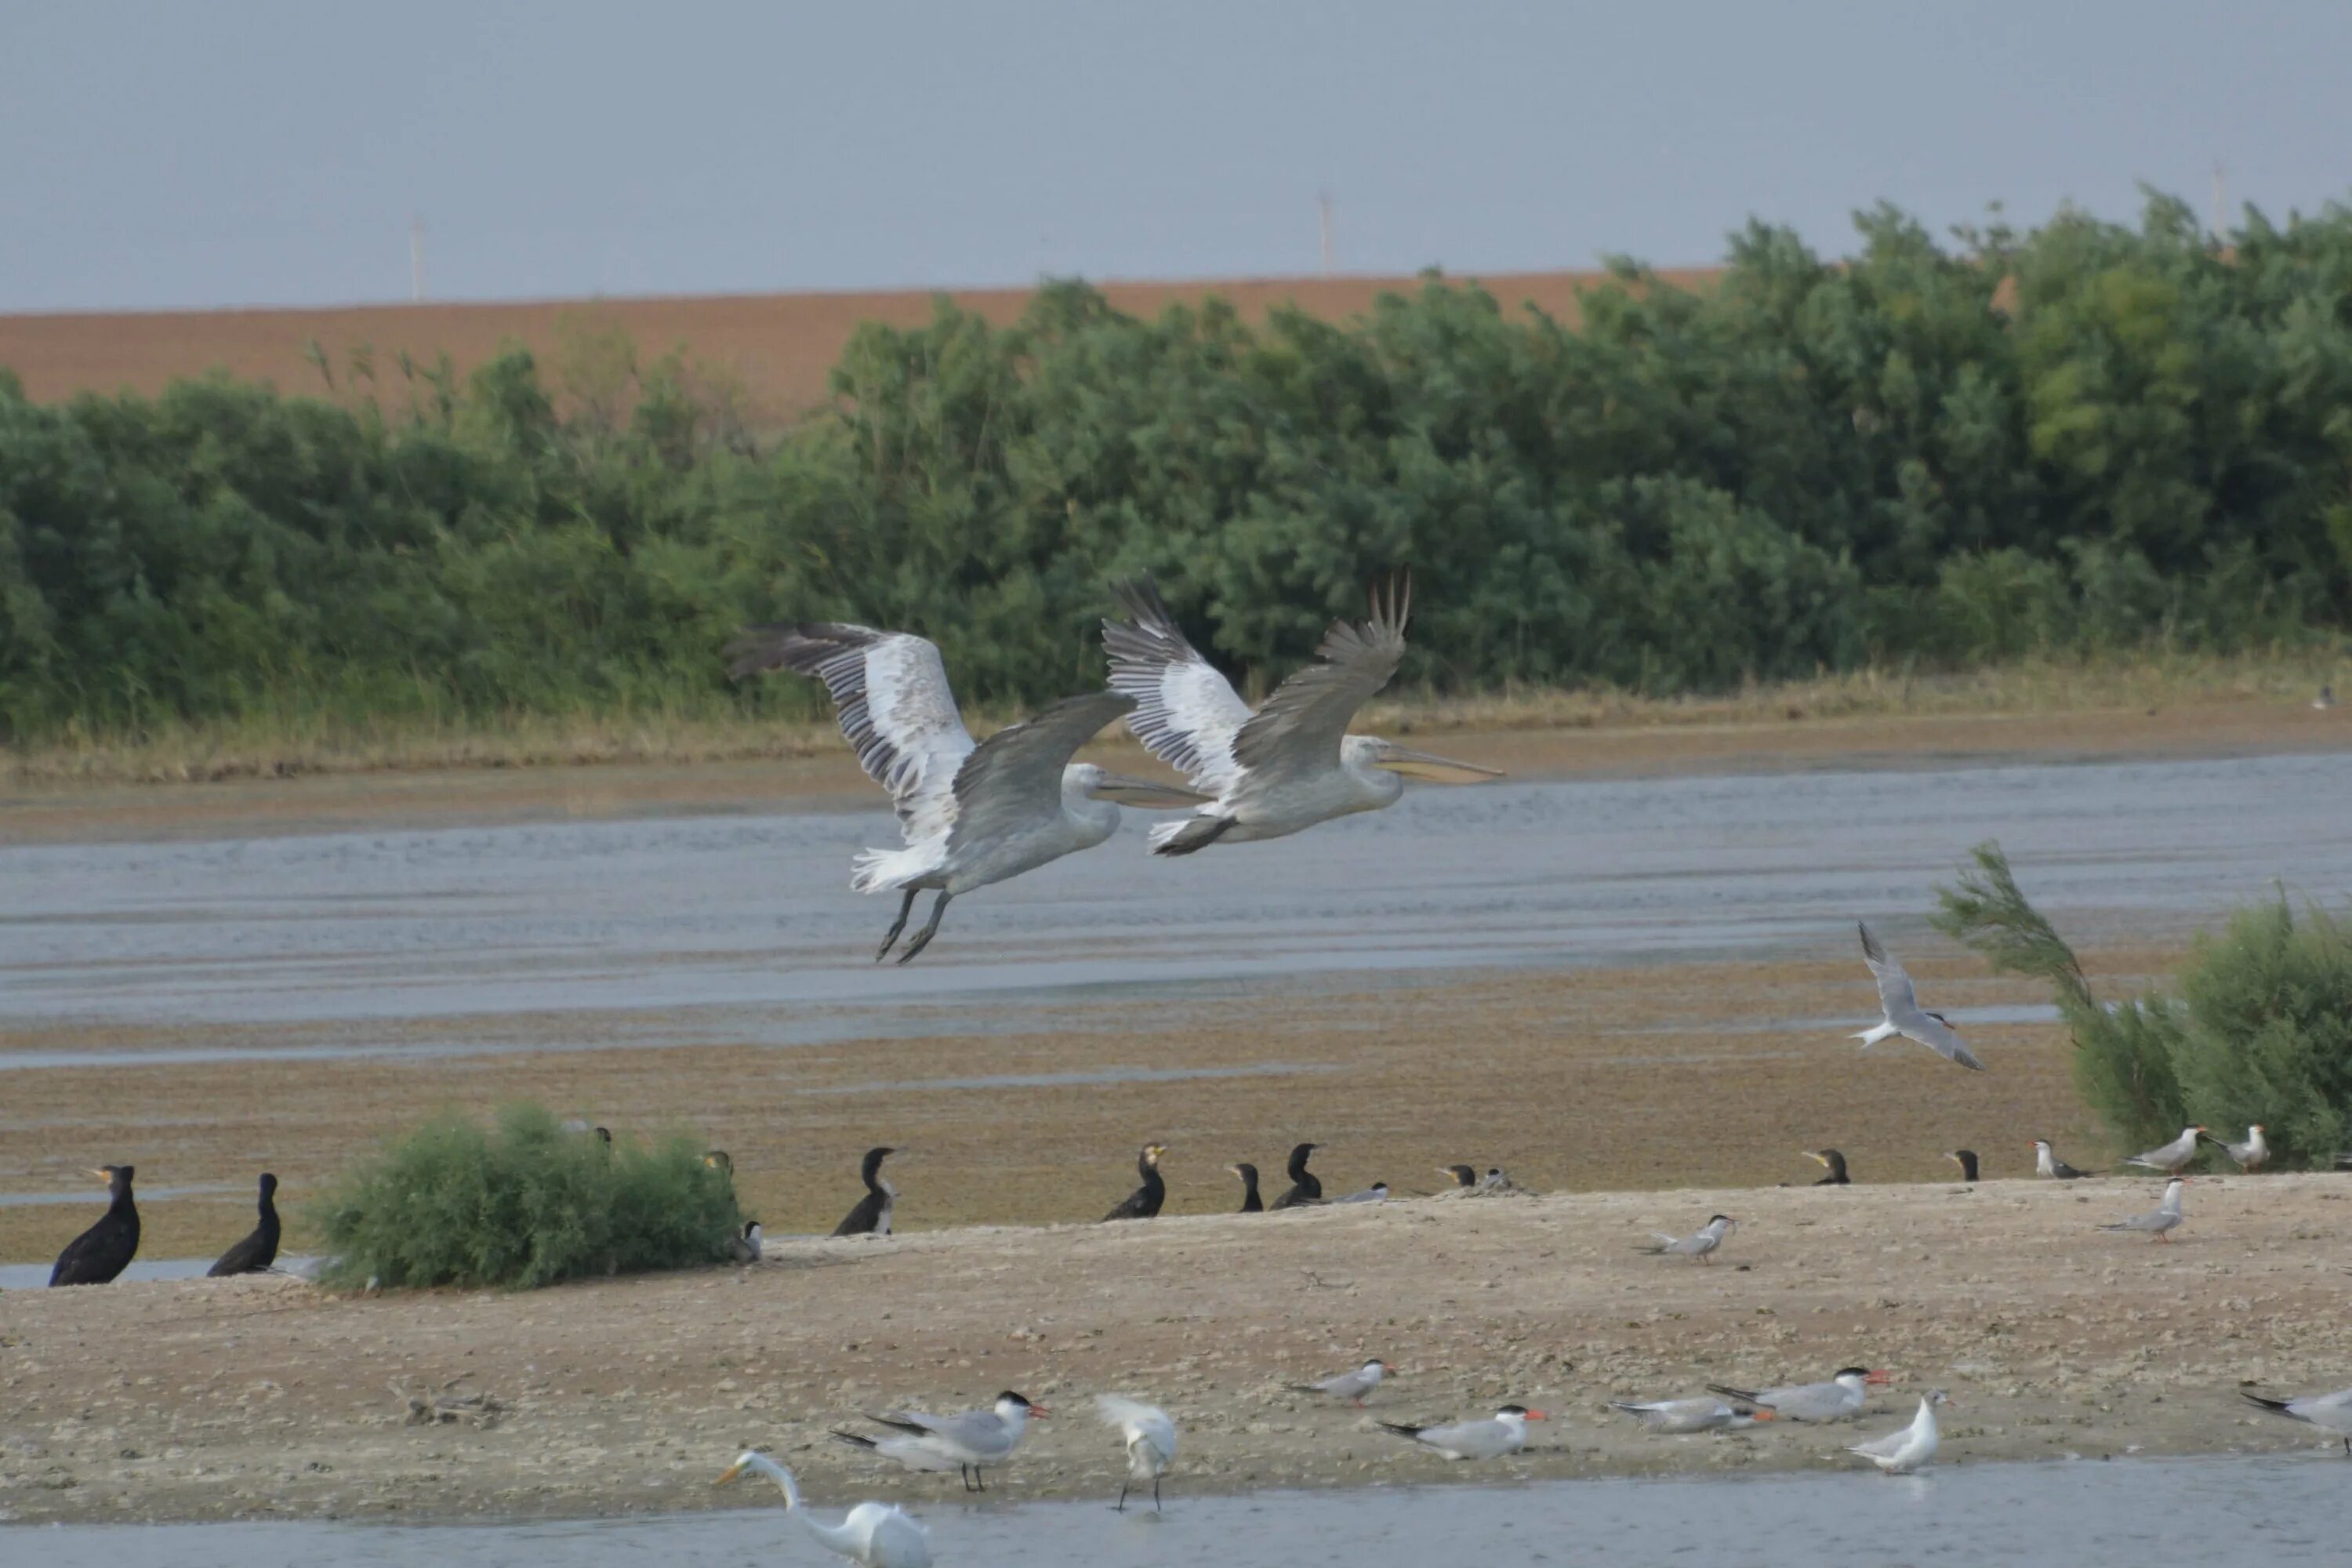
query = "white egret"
{"x": 878, "y": 1535}
{"x": 1150, "y": 1439}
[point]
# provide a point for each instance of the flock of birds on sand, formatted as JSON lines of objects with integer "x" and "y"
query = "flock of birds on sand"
{"x": 975, "y": 813}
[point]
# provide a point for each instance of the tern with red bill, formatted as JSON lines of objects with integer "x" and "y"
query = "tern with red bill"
{"x": 1506, "y": 1433}
{"x": 2251, "y": 1155}
{"x": 1290, "y": 764}
{"x": 1899, "y": 1004}
{"x": 1841, "y": 1398}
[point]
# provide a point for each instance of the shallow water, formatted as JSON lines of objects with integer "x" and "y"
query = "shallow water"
{"x": 35, "y": 1276}
{"x": 693, "y": 917}
{"x": 2055, "y": 1515}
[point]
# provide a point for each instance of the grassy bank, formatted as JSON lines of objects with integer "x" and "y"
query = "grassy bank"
{"x": 297, "y": 743}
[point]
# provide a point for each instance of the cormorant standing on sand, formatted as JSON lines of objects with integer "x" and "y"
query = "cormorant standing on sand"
{"x": 106, "y": 1248}
{"x": 872, "y": 1215}
{"x": 1251, "y": 1202}
{"x": 257, "y": 1251}
{"x": 1304, "y": 1187}
{"x": 1145, "y": 1201}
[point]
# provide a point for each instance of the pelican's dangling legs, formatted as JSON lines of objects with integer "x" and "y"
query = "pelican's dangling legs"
{"x": 906, "y": 907}
{"x": 932, "y": 929}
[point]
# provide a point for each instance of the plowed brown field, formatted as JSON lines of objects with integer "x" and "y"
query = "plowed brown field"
{"x": 780, "y": 345}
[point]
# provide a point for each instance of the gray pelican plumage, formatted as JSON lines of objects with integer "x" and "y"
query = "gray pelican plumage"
{"x": 972, "y": 813}
{"x": 1290, "y": 764}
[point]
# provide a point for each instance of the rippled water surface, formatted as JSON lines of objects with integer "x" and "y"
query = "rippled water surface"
{"x": 685, "y": 916}
{"x": 2055, "y": 1515}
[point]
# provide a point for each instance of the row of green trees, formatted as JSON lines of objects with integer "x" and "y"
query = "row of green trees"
{"x": 2083, "y": 437}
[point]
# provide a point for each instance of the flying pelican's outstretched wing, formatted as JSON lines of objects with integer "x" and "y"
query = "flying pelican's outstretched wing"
{"x": 1301, "y": 726}
{"x": 1014, "y": 777}
{"x": 1901, "y": 1004}
{"x": 896, "y": 709}
{"x": 1186, "y": 714}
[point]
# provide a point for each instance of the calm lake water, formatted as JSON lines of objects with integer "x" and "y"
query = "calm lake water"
{"x": 2055, "y": 1515}
{"x": 705, "y": 919}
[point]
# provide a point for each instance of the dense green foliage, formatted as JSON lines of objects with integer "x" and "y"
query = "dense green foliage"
{"x": 2260, "y": 1032}
{"x": 1810, "y": 465}
{"x": 527, "y": 1203}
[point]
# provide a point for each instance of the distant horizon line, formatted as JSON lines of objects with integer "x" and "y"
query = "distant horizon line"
{"x": 1205, "y": 282}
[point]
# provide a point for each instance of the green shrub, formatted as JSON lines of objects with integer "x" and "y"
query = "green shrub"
{"x": 2261, "y": 1031}
{"x": 524, "y": 1204}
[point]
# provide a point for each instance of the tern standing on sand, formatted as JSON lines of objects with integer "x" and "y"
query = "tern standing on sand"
{"x": 1902, "y": 1012}
{"x": 967, "y": 1443}
{"x": 2174, "y": 1156}
{"x": 2160, "y": 1222}
{"x": 1290, "y": 764}
{"x": 1701, "y": 1245}
{"x": 1352, "y": 1386}
{"x": 2251, "y": 1155}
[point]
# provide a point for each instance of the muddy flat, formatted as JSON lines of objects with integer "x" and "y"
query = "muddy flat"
{"x": 211, "y": 1399}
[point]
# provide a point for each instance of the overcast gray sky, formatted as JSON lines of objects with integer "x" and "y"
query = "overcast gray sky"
{"x": 164, "y": 155}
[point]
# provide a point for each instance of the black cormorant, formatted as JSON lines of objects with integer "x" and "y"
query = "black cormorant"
{"x": 872, "y": 1215}
{"x": 257, "y": 1251}
{"x": 106, "y": 1248}
{"x": 1836, "y": 1163}
{"x": 1145, "y": 1201}
{"x": 1251, "y": 1202}
{"x": 1304, "y": 1187}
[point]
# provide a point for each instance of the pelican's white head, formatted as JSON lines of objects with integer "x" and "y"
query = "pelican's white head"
{"x": 1084, "y": 781}
{"x": 1359, "y": 753}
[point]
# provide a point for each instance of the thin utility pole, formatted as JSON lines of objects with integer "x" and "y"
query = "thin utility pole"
{"x": 1323, "y": 228}
{"x": 416, "y": 258}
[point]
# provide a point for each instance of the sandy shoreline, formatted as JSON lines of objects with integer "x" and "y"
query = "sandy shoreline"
{"x": 260, "y": 1398}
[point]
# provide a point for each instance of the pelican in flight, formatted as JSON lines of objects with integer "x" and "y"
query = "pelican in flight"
{"x": 875, "y": 1534}
{"x": 1290, "y": 764}
{"x": 971, "y": 813}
